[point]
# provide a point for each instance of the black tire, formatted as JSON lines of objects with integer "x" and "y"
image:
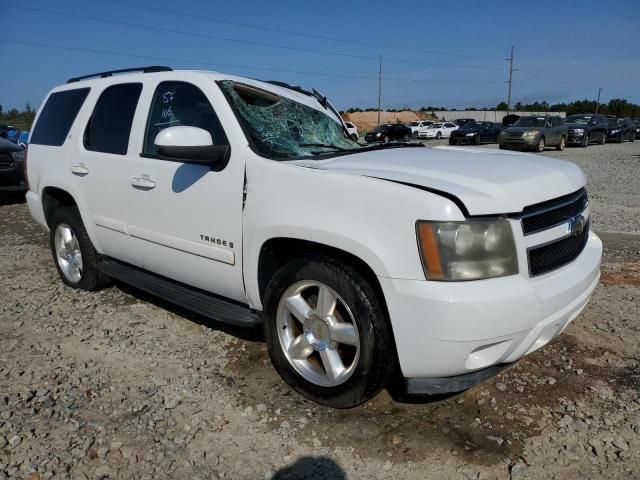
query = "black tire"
{"x": 91, "y": 277}
{"x": 438, "y": 136}
{"x": 452, "y": 141}
{"x": 633, "y": 138}
{"x": 540, "y": 146}
{"x": 406, "y": 137}
{"x": 377, "y": 354}
{"x": 502, "y": 147}
{"x": 354, "y": 137}
{"x": 620, "y": 138}
{"x": 415, "y": 134}
{"x": 385, "y": 139}
{"x": 585, "y": 141}
{"x": 603, "y": 140}
{"x": 476, "y": 140}
{"x": 562, "y": 144}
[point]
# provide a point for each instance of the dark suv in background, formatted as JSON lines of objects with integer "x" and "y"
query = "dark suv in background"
{"x": 11, "y": 167}
{"x": 586, "y": 128}
{"x": 621, "y": 129}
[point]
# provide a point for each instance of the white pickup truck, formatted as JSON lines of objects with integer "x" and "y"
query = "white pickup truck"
{"x": 247, "y": 201}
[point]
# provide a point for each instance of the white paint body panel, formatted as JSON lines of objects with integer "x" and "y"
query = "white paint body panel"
{"x": 356, "y": 203}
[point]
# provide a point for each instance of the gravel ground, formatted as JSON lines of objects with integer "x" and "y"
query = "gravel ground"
{"x": 115, "y": 384}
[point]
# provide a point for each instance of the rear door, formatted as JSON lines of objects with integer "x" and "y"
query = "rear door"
{"x": 185, "y": 219}
{"x": 99, "y": 172}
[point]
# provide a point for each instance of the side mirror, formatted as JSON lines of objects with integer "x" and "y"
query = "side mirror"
{"x": 190, "y": 144}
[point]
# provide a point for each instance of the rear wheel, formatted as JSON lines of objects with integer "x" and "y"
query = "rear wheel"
{"x": 327, "y": 333}
{"x": 562, "y": 143}
{"x": 75, "y": 258}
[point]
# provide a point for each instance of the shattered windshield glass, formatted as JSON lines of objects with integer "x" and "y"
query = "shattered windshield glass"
{"x": 281, "y": 128}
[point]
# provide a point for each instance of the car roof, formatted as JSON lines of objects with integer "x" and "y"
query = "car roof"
{"x": 185, "y": 75}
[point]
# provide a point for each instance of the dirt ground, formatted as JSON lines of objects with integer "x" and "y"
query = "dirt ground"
{"x": 116, "y": 384}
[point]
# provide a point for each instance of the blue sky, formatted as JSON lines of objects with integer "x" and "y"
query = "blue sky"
{"x": 448, "y": 53}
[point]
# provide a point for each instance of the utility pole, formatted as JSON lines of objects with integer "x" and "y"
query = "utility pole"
{"x": 598, "y": 102}
{"x": 379, "y": 88}
{"x": 511, "y": 70}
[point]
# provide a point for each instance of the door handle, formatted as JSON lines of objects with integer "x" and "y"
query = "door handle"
{"x": 143, "y": 183}
{"x": 81, "y": 170}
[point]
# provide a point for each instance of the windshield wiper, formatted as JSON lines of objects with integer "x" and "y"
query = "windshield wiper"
{"x": 324, "y": 145}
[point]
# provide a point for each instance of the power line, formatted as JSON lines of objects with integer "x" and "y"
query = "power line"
{"x": 290, "y": 32}
{"x": 235, "y": 40}
{"x": 226, "y": 65}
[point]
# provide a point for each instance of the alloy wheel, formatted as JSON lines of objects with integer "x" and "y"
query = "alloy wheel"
{"x": 68, "y": 254}
{"x": 318, "y": 333}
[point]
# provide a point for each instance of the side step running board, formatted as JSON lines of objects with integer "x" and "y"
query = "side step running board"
{"x": 198, "y": 301}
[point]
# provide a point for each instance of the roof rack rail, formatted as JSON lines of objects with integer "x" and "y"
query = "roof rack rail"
{"x": 296, "y": 88}
{"x": 150, "y": 69}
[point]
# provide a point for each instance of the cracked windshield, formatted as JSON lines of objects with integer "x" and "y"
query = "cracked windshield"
{"x": 281, "y": 128}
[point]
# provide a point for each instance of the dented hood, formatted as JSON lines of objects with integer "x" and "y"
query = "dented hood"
{"x": 486, "y": 181}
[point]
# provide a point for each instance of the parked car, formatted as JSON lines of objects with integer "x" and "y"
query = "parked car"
{"x": 417, "y": 127}
{"x": 586, "y": 128}
{"x": 535, "y": 133}
{"x": 438, "y": 130}
{"x": 353, "y": 130}
{"x": 476, "y": 133}
{"x": 621, "y": 129}
{"x": 442, "y": 266}
{"x": 462, "y": 121}
{"x": 637, "y": 122}
{"x": 388, "y": 133}
{"x": 11, "y": 167}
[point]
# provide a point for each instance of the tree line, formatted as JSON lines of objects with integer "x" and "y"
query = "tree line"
{"x": 21, "y": 119}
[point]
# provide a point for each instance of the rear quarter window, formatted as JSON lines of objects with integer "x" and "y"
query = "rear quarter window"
{"x": 57, "y": 116}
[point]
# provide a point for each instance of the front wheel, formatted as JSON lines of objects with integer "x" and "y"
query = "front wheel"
{"x": 354, "y": 137}
{"x": 585, "y": 141}
{"x": 438, "y": 136}
{"x": 562, "y": 144}
{"x": 406, "y": 138}
{"x": 327, "y": 333}
{"x": 476, "y": 140}
{"x": 603, "y": 140}
{"x": 540, "y": 146}
{"x": 620, "y": 138}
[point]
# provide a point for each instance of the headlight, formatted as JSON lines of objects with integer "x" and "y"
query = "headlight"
{"x": 471, "y": 250}
{"x": 531, "y": 133}
{"x": 469, "y": 134}
{"x": 578, "y": 131}
{"x": 614, "y": 131}
{"x": 378, "y": 134}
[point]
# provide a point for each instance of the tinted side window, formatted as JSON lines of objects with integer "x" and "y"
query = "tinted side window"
{"x": 57, "y": 116}
{"x": 181, "y": 104}
{"x": 109, "y": 128}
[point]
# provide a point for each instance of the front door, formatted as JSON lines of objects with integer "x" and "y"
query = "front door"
{"x": 185, "y": 219}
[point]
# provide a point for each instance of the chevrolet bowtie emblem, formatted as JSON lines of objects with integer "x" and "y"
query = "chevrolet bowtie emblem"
{"x": 576, "y": 225}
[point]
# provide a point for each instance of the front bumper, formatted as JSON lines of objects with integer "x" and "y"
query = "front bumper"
{"x": 575, "y": 138}
{"x": 462, "y": 140}
{"x": 446, "y": 329}
{"x": 519, "y": 142}
{"x": 12, "y": 175}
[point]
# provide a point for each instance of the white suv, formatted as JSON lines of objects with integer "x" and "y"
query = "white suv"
{"x": 246, "y": 201}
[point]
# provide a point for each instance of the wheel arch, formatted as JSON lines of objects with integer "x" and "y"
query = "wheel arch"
{"x": 55, "y": 197}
